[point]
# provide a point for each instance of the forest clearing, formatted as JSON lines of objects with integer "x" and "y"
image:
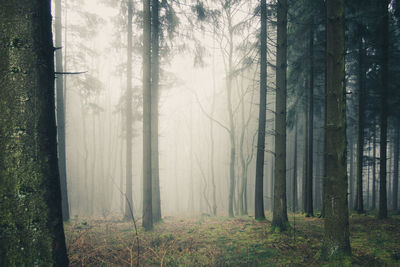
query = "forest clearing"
{"x": 223, "y": 241}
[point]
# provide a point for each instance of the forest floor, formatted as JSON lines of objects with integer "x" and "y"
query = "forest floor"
{"x": 221, "y": 241}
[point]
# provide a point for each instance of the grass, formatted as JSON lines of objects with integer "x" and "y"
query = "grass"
{"x": 221, "y": 241}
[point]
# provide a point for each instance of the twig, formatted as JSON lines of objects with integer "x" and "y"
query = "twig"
{"x": 134, "y": 223}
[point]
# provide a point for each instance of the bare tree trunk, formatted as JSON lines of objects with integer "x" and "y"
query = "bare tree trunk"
{"x": 93, "y": 176}
{"x": 396, "y": 166}
{"x": 305, "y": 157}
{"x": 280, "y": 219}
{"x": 214, "y": 197}
{"x": 176, "y": 176}
{"x": 294, "y": 179}
{"x": 61, "y": 111}
{"x": 360, "y": 136}
{"x": 389, "y": 176}
{"x": 374, "y": 168}
{"x": 271, "y": 187}
{"x": 384, "y": 24}
{"x": 351, "y": 174}
{"x": 129, "y": 120}
{"x": 85, "y": 162}
{"x": 155, "y": 66}
{"x": 310, "y": 130}
{"x": 147, "y": 219}
{"x": 232, "y": 139}
{"x": 368, "y": 177}
{"x": 336, "y": 238}
{"x": 191, "y": 189}
{"x": 259, "y": 194}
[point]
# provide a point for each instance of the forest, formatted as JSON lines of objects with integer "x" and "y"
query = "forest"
{"x": 199, "y": 133}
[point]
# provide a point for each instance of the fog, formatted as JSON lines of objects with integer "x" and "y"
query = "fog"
{"x": 193, "y": 77}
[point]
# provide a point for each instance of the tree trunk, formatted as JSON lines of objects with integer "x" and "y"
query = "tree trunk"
{"x": 351, "y": 175}
{"x": 384, "y": 26}
{"x": 396, "y": 166}
{"x": 241, "y": 199}
{"x": 310, "y": 130}
{"x": 318, "y": 180}
{"x": 61, "y": 112}
{"x": 30, "y": 182}
{"x": 374, "y": 168}
{"x": 271, "y": 185}
{"x": 389, "y": 175}
{"x": 294, "y": 179}
{"x": 280, "y": 219}
{"x": 154, "y": 112}
{"x": 212, "y": 148}
{"x": 147, "y": 219}
{"x": 231, "y": 124}
{"x": 86, "y": 208}
{"x": 368, "y": 177}
{"x": 360, "y": 136}
{"x": 191, "y": 185}
{"x": 129, "y": 120}
{"x": 259, "y": 194}
{"x": 214, "y": 189}
{"x": 336, "y": 238}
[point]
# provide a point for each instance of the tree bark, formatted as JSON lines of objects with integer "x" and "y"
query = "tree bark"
{"x": 396, "y": 166}
{"x": 214, "y": 189}
{"x": 310, "y": 130}
{"x": 259, "y": 194}
{"x": 61, "y": 112}
{"x": 374, "y": 168}
{"x": 351, "y": 174}
{"x": 384, "y": 26}
{"x": 155, "y": 70}
{"x": 336, "y": 237}
{"x": 294, "y": 179}
{"x": 129, "y": 120}
{"x": 360, "y": 136}
{"x": 280, "y": 219}
{"x": 31, "y": 211}
{"x": 231, "y": 120}
{"x": 147, "y": 219}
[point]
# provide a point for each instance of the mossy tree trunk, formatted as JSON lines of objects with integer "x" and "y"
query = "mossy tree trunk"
{"x": 31, "y": 229}
{"x": 336, "y": 237}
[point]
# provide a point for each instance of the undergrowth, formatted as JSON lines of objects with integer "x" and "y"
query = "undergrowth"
{"x": 220, "y": 241}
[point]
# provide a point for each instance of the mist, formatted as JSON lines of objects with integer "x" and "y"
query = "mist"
{"x": 199, "y": 133}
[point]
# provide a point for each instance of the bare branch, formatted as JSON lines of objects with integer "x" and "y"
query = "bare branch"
{"x": 70, "y": 73}
{"x": 208, "y": 115}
